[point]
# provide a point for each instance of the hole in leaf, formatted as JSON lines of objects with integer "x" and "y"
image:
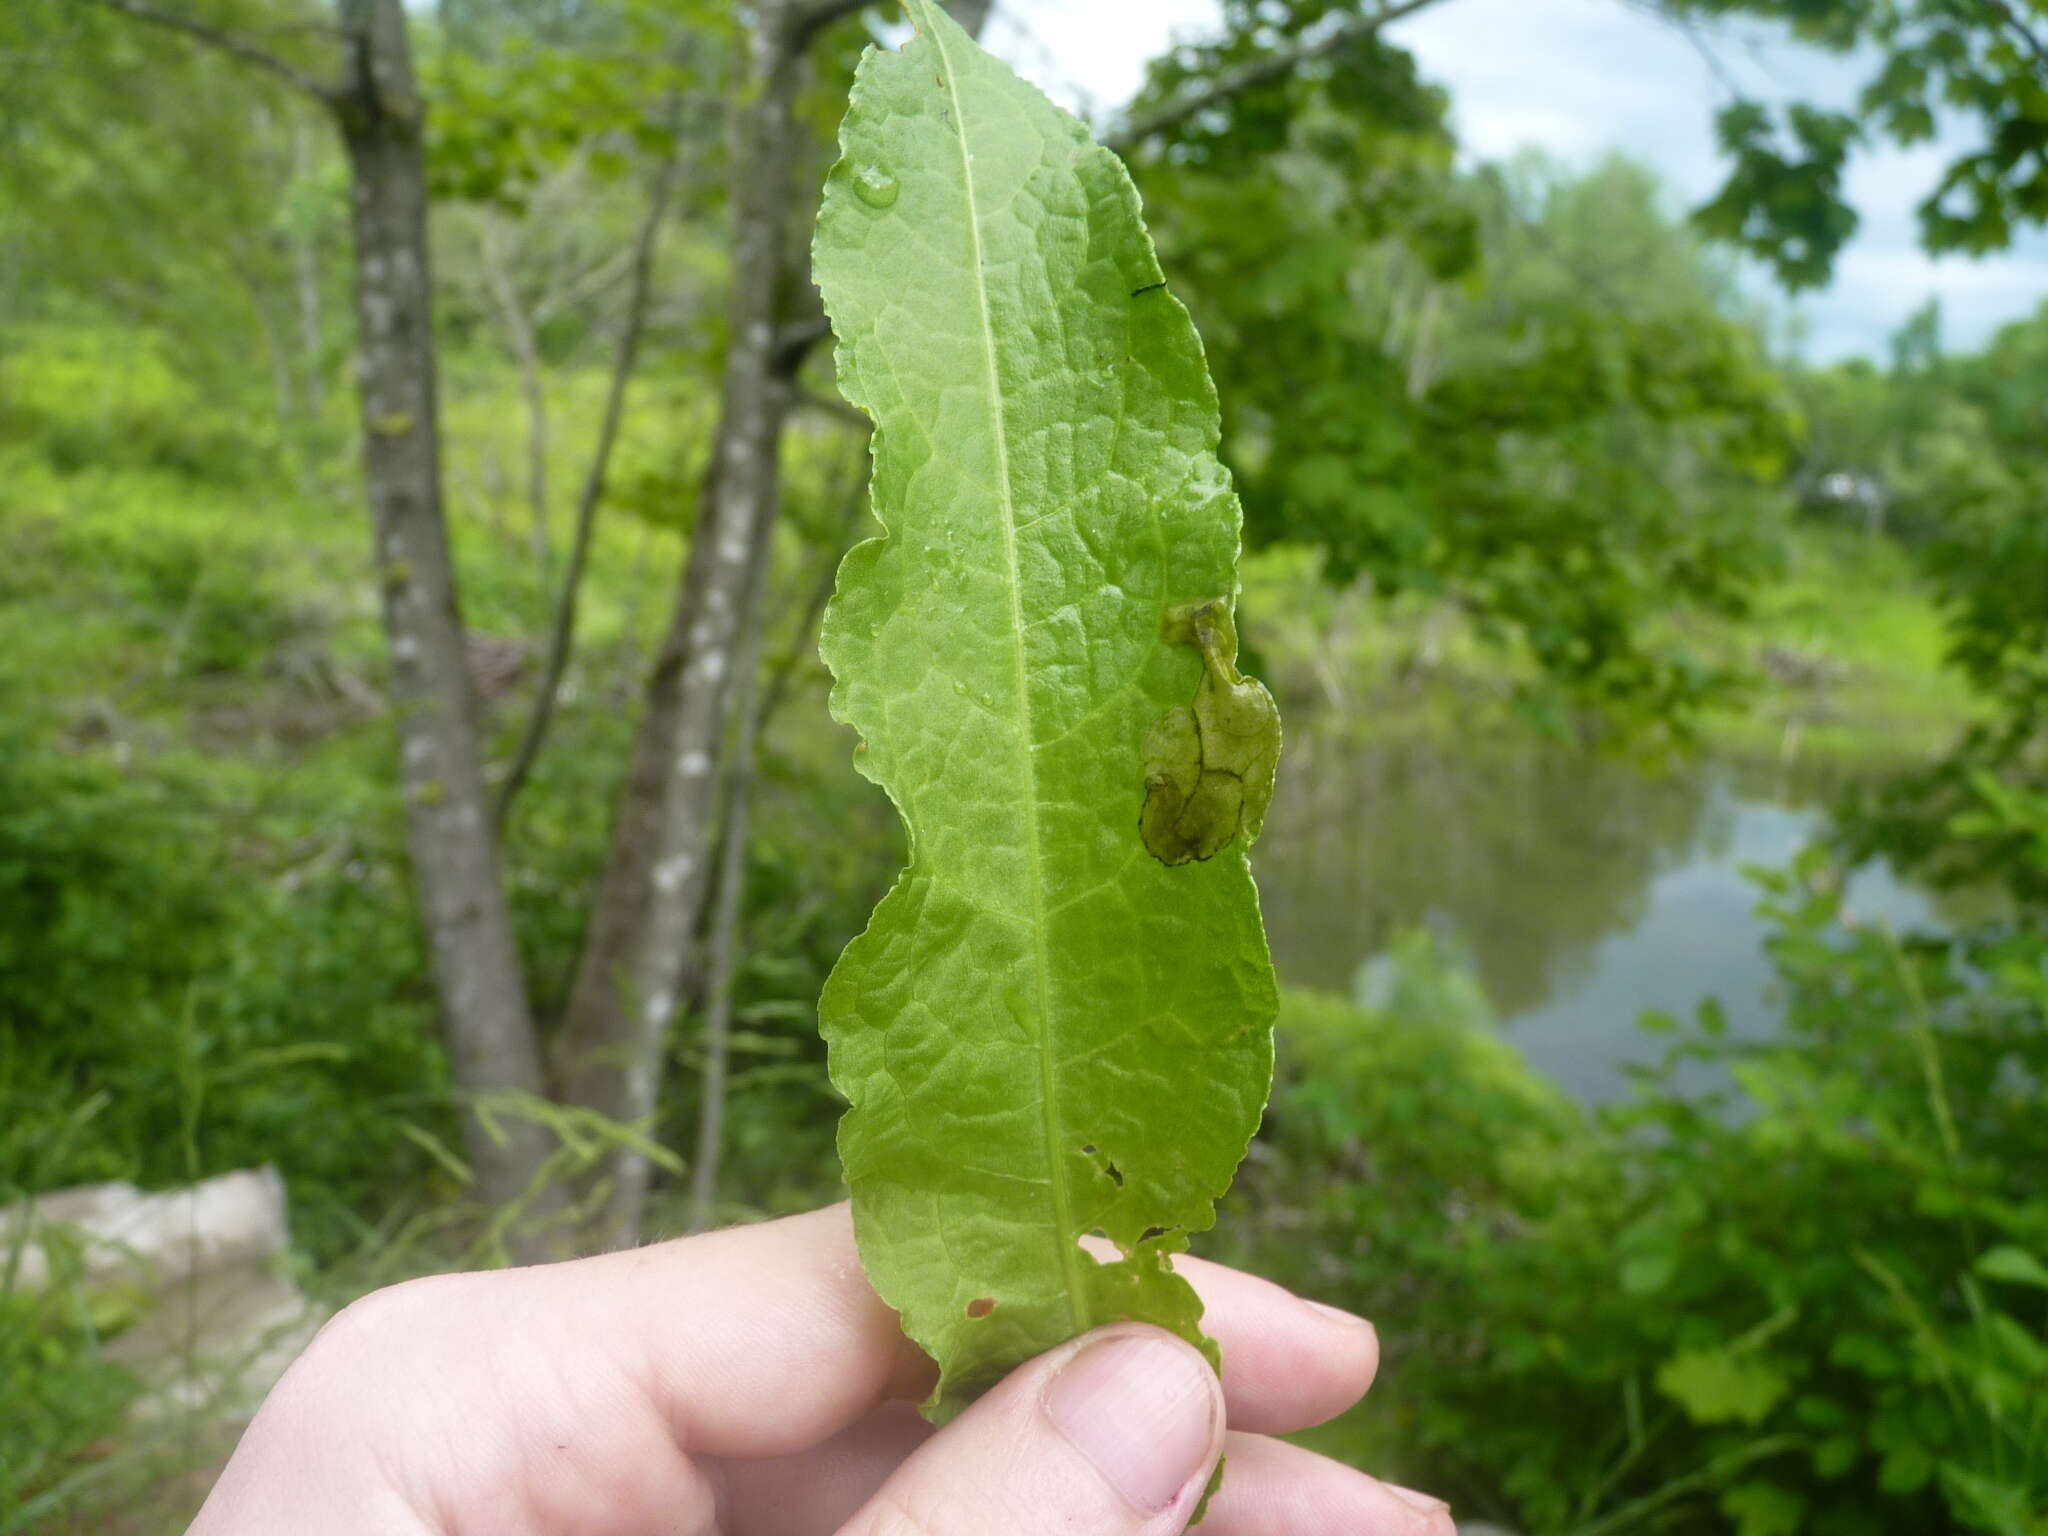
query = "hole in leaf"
{"x": 981, "y": 1306}
{"x": 1116, "y": 1174}
{"x": 1089, "y": 1150}
{"x": 1155, "y": 1232}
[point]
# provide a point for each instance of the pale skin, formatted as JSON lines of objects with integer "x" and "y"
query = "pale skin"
{"x": 749, "y": 1383}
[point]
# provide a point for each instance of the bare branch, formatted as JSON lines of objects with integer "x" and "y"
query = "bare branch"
{"x": 835, "y": 407}
{"x": 1666, "y": 13}
{"x": 796, "y": 338}
{"x": 234, "y": 47}
{"x": 522, "y": 333}
{"x": 1275, "y": 66}
{"x": 563, "y": 638}
{"x": 2031, "y": 39}
{"x": 803, "y": 639}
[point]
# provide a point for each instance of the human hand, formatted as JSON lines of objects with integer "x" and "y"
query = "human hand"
{"x": 749, "y": 1383}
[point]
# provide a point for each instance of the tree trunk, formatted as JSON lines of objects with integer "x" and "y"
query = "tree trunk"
{"x": 476, "y": 967}
{"x": 638, "y": 951}
{"x": 633, "y": 325}
{"x": 731, "y": 901}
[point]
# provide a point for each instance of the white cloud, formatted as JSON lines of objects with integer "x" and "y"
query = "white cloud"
{"x": 1579, "y": 78}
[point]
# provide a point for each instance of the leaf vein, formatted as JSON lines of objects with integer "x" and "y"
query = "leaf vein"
{"x": 1062, "y": 1200}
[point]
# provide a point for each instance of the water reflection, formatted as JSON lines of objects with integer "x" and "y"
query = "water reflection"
{"x": 1584, "y": 890}
{"x": 1697, "y": 936}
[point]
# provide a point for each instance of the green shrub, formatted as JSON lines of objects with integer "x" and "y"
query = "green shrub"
{"x": 88, "y": 399}
{"x": 1815, "y": 1301}
{"x": 230, "y": 1015}
{"x": 60, "y": 1394}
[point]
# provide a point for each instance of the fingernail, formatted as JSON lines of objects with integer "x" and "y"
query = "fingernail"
{"x": 1421, "y": 1503}
{"x": 1339, "y": 1315}
{"x": 1143, "y": 1410}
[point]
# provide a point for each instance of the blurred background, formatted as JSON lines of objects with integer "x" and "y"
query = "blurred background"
{"x": 1641, "y": 413}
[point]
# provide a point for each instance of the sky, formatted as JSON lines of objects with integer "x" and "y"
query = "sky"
{"x": 1579, "y": 78}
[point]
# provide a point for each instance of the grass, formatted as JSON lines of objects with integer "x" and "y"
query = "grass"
{"x": 1850, "y": 646}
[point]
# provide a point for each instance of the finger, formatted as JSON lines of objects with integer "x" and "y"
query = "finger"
{"x": 804, "y": 1348}
{"x": 755, "y": 1341}
{"x": 526, "y": 1388}
{"x": 1271, "y": 1488}
{"x": 819, "y": 1489}
{"x": 1115, "y": 1434}
{"x": 1288, "y": 1364}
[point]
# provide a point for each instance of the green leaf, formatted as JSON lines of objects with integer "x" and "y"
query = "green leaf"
{"x": 1874, "y": 1355}
{"x": 2007, "y": 1508}
{"x": 2013, "y": 1265}
{"x": 1906, "y": 1469}
{"x": 1046, "y": 1031}
{"x": 1764, "y": 1509}
{"x": 1645, "y": 1274}
{"x": 1836, "y": 1455}
{"x": 1717, "y": 1386}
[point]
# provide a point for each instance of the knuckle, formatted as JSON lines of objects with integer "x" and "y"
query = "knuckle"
{"x": 392, "y": 1319}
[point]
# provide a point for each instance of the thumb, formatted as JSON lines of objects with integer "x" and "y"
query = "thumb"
{"x": 1115, "y": 1434}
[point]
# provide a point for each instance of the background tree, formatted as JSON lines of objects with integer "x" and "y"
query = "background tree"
{"x": 1979, "y": 66}
{"x": 1532, "y": 400}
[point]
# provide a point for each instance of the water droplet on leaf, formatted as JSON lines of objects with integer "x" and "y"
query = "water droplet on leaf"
{"x": 875, "y": 187}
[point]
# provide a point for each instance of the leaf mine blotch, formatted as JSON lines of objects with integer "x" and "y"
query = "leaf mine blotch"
{"x": 1210, "y": 765}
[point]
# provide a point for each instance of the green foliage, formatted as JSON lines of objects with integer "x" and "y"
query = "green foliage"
{"x": 233, "y": 1023}
{"x": 92, "y": 399}
{"x": 171, "y": 191}
{"x": 1522, "y": 402}
{"x": 1783, "y": 202}
{"x": 1950, "y": 455}
{"x": 1810, "y": 1301}
{"x": 203, "y": 909}
{"x": 1449, "y": 384}
{"x": 1045, "y": 1031}
{"x": 60, "y": 1393}
{"x": 1978, "y": 63}
{"x": 503, "y": 120}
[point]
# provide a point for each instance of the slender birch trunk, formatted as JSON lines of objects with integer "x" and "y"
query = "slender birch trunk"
{"x": 477, "y": 971}
{"x": 639, "y": 957}
{"x": 640, "y": 947}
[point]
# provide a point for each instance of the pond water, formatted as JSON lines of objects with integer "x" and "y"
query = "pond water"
{"x": 1582, "y": 890}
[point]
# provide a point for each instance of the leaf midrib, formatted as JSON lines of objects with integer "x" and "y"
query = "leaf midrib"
{"x": 1064, "y": 1237}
